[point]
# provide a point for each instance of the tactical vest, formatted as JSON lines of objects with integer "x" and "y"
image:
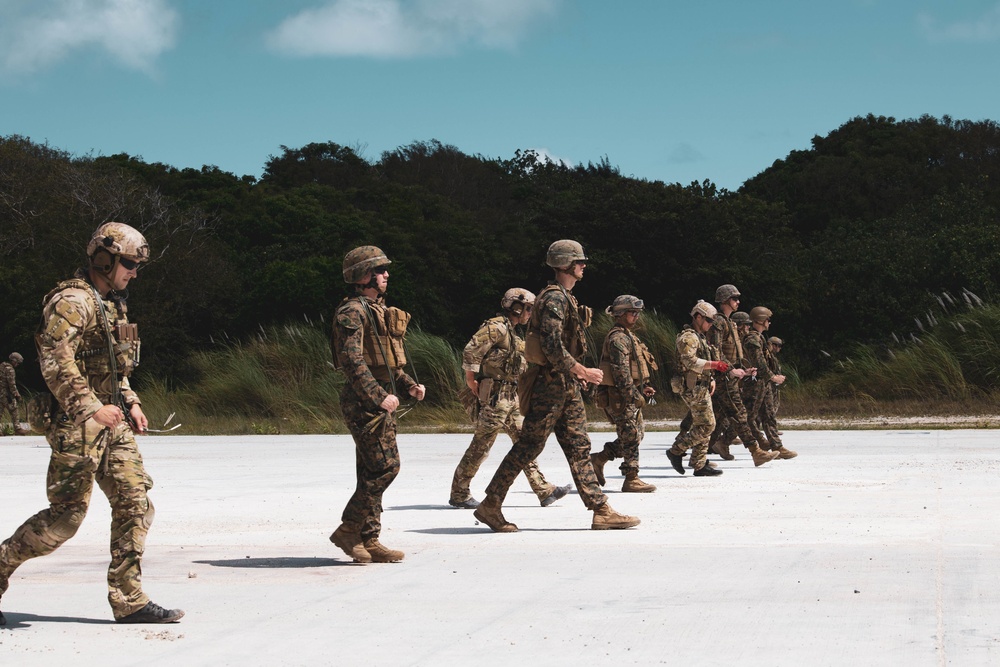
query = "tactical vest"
{"x": 641, "y": 362}
{"x": 382, "y": 339}
{"x": 729, "y": 341}
{"x": 505, "y": 360}
{"x": 573, "y": 338}
{"x": 758, "y": 338}
{"x": 705, "y": 351}
{"x": 109, "y": 345}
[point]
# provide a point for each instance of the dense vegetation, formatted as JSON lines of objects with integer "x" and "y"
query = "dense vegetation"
{"x": 848, "y": 242}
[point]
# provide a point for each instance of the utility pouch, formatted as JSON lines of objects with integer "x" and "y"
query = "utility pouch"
{"x": 601, "y": 397}
{"x": 533, "y": 348}
{"x": 525, "y": 386}
{"x": 396, "y": 321}
{"x": 470, "y": 402}
{"x": 608, "y": 378}
{"x": 127, "y": 349}
{"x": 40, "y": 409}
{"x": 485, "y": 389}
{"x": 586, "y": 314}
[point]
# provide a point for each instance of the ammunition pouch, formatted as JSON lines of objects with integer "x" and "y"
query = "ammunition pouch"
{"x": 533, "y": 348}
{"x": 526, "y": 386}
{"x": 40, "y": 409}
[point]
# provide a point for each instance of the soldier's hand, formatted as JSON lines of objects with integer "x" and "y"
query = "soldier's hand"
{"x": 109, "y": 416}
{"x": 418, "y": 391}
{"x": 738, "y": 373}
{"x": 592, "y": 375}
{"x": 138, "y": 418}
{"x": 720, "y": 366}
{"x": 777, "y": 379}
{"x": 390, "y": 403}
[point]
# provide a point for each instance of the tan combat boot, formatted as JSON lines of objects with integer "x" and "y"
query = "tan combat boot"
{"x": 382, "y": 554}
{"x": 598, "y": 459}
{"x": 606, "y": 518}
{"x": 760, "y": 457}
{"x": 722, "y": 449}
{"x": 784, "y": 453}
{"x": 348, "y": 538}
{"x": 635, "y": 485}
{"x": 489, "y": 513}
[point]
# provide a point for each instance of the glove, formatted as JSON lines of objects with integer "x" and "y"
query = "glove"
{"x": 720, "y": 366}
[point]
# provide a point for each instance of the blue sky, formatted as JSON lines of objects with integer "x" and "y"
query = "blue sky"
{"x": 670, "y": 91}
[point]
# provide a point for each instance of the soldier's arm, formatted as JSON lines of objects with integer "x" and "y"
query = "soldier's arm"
{"x": 716, "y": 337}
{"x": 755, "y": 352}
{"x": 64, "y": 319}
{"x": 480, "y": 344}
{"x": 350, "y": 336}
{"x": 687, "y": 354}
{"x": 621, "y": 373}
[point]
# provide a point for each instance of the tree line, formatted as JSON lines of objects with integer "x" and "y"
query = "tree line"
{"x": 847, "y": 242}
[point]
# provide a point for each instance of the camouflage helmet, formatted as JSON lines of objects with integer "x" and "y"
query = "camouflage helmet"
{"x": 119, "y": 240}
{"x": 760, "y": 314}
{"x": 516, "y": 295}
{"x": 358, "y": 262}
{"x": 563, "y": 253}
{"x": 705, "y": 309}
{"x": 774, "y": 340}
{"x": 740, "y": 318}
{"x": 623, "y": 304}
{"x": 725, "y": 293}
{"x": 16, "y": 358}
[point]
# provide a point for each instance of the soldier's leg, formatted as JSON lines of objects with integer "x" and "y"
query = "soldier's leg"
{"x": 69, "y": 483}
{"x": 546, "y": 405}
{"x": 703, "y": 424}
{"x": 541, "y": 487}
{"x": 377, "y": 464}
{"x": 124, "y": 481}
{"x": 682, "y": 432}
{"x": 488, "y": 425}
{"x": 571, "y": 433}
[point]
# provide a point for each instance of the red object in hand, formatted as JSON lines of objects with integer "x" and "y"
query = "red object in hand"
{"x": 720, "y": 366}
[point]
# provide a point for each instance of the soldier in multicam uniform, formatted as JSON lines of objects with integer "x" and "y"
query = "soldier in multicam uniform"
{"x": 87, "y": 350}
{"x": 368, "y": 348}
{"x": 627, "y": 365}
{"x": 727, "y": 401}
{"x": 551, "y": 395}
{"x": 695, "y": 383}
{"x": 761, "y": 396}
{"x": 9, "y": 395}
{"x": 493, "y": 361}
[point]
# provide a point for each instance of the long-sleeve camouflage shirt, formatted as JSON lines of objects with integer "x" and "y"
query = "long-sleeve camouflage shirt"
{"x": 73, "y": 352}
{"x": 757, "y": 355}
{"x": 725, "y": 336}
{"x": 351, "y": 325}
{"x": 693, "y": 353}
{"x": 619, "y": 345}
{"x": 556, "y": 317}
{"x": 495, "y": 350}
{"x": 8, "y": 384}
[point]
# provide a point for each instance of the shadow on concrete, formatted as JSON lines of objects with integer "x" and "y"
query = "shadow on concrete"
{"x": 284, "y": 562}
{"x": 16, "y": 620}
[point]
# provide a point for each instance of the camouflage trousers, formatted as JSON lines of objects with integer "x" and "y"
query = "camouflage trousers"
{"x": 503, "y": 415}
{"x": 10, "y": 407}
{"x": 700, "y": 423}
{"x": 81, "y": 455}
{"x": 630, "y": 430}
{"x": 376, "y": 461}
{"x": 731, "y": 413}
{"x": 760, "y": 404}
{"x": 556, "y": 404}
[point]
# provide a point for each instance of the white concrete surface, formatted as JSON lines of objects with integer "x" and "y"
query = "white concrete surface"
{"x": 870, "y": 548}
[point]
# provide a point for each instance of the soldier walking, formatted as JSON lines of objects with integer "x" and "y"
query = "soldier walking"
{"x": 694, "y": 381}
{"x": 368, "y": 348}
{"x": 761, "y": 395}
{"x": 550, "y": 395}
{"x": 627, "y": 365}
{"x": 493, "y": 360}
{"x": 87, "y": 350}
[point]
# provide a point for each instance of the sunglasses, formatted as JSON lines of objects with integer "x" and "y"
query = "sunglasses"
{"x": 129, "y": 264}
{"x": 379, "y": 270}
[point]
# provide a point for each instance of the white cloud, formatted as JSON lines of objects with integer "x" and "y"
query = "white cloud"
{"x": 542, "y": 155}
{"x": 35, "y": 34}
{"x": 407, "y": 28}
{"x": 986, "y": 28}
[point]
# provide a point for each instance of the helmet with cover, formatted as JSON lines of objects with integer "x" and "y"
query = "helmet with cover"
{"x": 704, "y": 309}
{"x": 725, "y": 293}
{"x": 740, "y": 318}
{"x": 517, "y": 299}
{"x": 360, "y": 261}
{"x": 760, "y": 314}
{"x": 16, "y": 358}
{"x": 563, "y": 253}
{"x": 624, "y": 304}
{"x": 113, "y": 242}
{"x": 774, "y": 340}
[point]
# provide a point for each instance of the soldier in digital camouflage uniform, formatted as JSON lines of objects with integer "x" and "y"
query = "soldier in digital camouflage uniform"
{"x": 727, "y": 400}
{"x": 726, "y": 427}
{"x": 761, "y": 396}
{"x": 493, "y": 360}
{"x": 770, "y": 417}
{"x": 368, "y": 349}
{"x": 87, "y": 350}
{"x": 628, "y": 366}
{"x": 9, "y": 395}
{"x": 694, "y": 381}
{"x": 550, "y": 395}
